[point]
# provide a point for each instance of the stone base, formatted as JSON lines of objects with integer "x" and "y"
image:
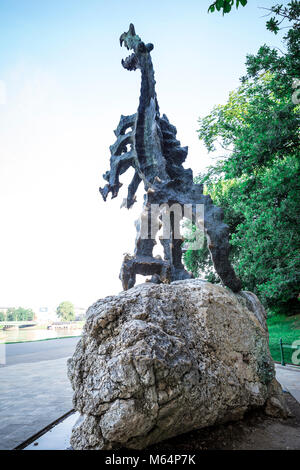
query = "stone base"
{"x": 161, "y": 360}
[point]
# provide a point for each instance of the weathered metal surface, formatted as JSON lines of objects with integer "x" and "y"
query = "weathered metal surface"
{"x": 151, "y": 148}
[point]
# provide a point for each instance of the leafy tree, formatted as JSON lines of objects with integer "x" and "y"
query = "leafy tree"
{"x": 258, "y": 125}
{"x": 289, "y": 12}
{"x": 19, "y": 314}
{"x": 2, "y": 316}
{"x": 226, "y": 5}
{"x": 265, "y": 231}
{"x": 11, "y": 314}
{"x": 24, "y": 314}
{"x": 257, "y": 179}
{"x": 65, "y": 311}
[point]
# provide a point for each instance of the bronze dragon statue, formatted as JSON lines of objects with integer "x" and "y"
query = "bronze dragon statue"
{"x": 147, "y": 142}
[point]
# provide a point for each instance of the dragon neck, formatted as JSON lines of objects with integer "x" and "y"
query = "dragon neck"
{"x": 147, "y": 85}
{"x": 147, "y": 136}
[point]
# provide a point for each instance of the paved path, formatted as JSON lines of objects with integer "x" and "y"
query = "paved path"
{"x": 33, "y": 395}
{"x": 289, "y": 378}
{"x": 36, "y": 351}
{"x": 35, "y": 390}
{"x": 276, "y": 434}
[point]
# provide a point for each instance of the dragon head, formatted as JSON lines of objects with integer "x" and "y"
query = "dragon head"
{"x": 133, "y": 42}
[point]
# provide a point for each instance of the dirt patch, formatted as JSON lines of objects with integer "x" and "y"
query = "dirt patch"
{"x": 255, "y": 432}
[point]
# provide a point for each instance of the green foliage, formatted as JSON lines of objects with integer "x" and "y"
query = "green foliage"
{"x": 24, "y": 314}
{"x": 291, "y": 12}
{"x": 65, "y": 311}
{"x": 226, "y": 5}
{"x": 260, "y": 122}
{"x": 256, "y": 182}
{"x": 287, "y": 328}
{"x": 19, "y": 314}
{"x": 10, "y": 315}
{"x": 2, "y": 316}
{"x": 265, "y": 230}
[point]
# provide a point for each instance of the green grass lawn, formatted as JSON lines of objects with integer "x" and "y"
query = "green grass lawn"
{"x": 287, "y": 328}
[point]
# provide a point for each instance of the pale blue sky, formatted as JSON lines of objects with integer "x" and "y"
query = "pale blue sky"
{"x": 65, "y": 91}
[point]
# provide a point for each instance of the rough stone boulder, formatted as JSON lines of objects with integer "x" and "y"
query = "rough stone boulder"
{"x": 160, "y": 360}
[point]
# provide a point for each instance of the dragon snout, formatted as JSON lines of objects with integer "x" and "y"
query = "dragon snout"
{"x": 131, "y": 62}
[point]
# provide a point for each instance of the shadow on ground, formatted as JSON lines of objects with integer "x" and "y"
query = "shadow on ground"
{"x": 255, "y": 432}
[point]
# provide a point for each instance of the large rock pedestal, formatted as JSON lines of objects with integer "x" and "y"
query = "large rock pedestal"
{"x": 160, "y": 360}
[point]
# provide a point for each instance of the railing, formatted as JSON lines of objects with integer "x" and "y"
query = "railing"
{"x": 288, "y": 346}
{"x": 16, "y": 324}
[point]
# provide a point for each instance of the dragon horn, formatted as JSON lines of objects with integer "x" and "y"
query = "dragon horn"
{"x": 131, "y": 29}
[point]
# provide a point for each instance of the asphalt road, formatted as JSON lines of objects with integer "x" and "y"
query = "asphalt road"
{"x": 37, "y": 351}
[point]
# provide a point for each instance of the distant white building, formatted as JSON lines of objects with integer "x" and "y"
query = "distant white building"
{"x": 45, "y": 314}
{"x": 48, "y": 314}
